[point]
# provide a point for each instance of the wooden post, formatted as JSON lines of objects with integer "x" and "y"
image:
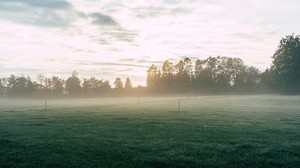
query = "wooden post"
{"x": 179, "y": 105}
{"x": 138, "y": 99}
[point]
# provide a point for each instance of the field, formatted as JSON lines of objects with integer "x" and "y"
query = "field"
{"x": 207, "y": 131}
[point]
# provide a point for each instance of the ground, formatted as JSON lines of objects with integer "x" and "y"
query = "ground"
{"x": 207, "y": 131}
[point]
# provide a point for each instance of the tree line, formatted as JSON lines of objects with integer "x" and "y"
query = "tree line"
{"x": 20, "y": 86}
{"x": 226, "y": 74}
{"x": 213, "y": 75}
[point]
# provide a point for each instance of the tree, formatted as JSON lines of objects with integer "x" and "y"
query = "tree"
{"x": 188, "y": 69}
{"x": 167, "y": 77}
{"x": 128, "y": 85}
{"x": 57, "y": 87}
{"x": 105, "y": 87}
{"x": 249, "y": 77}
{"x": 225, "y": 73}
{"x": 286, "y": 64}
{"x": 184, "y": 73}
{"x": 41, "y": 79}
{"x": 20, "y": 86}
{"x": 73, "y": 84}
{"x": 2, "y": 87}
{"x": 205, "y": 72}
{"x": 42, "y": 85}
{"x": 152, "y": 76}
{"x": 269, "y": 79}
{"x": 167, "y": 69}
{"x": 118, "y": 83}
{"x": 91, "y": 86}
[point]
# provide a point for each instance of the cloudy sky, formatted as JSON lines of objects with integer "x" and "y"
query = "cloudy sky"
{"x": 122, "y": 38}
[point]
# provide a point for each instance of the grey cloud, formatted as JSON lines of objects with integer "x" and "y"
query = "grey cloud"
{"x": 110, "y": 29}
{"x": 60, "y": 13}
{"x": 101, "y": 19}
{"x": 148, "y": 12}
{"x": 100, "y": 39}
{"x": 49, "y": 4}
{"x": 108, "y": 35}
{"x": 80, "y": 14}
{"x": 47, "y": 13}
{"x": 120, "y": 34}
{"x": 52, "y": 4}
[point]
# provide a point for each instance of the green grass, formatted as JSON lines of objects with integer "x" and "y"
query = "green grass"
{"x": 209, "y": 131}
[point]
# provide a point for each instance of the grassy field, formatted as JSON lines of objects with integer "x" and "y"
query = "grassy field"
{"x": 208, "y": 131}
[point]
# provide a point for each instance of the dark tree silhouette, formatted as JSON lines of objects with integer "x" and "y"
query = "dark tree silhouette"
{"x": 118, "y": 84}
{"x": 73, "y": 84}
{"x": 57, "y": 86}
{"x": 128, "y": 84}
{"x": 41, "y": 79}
{"x": 41, "y": 85}
{"x": 91, "y": 86}
{"x": 167, "y": 77}
{"x": 95, "y": 87}
{"x": 205, "y": 73}
{"x": 225, "y": 72}
{"x": 152, "y": 76}
{"x": 105, "y": 87}
{"x": 213, "y": 74}
{"x": 2, "y": 87}
{"x": 248, "y": 77}
{"x": 184, "y": 73}
{"x": 286, "y": 64}
{"x": 20, "y": 86}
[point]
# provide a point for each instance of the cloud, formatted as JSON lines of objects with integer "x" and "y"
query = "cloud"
{"x": 64, "y": 14}
{"x": 127, "y": 59}
{"x": 110, "y": 30}
{"x": 101, "y": 19}
{"x": 130, "y": 35}
{"x": 46, "y": 13}
{"x": 50, "y": 4}
{"x": 114, "y": 64}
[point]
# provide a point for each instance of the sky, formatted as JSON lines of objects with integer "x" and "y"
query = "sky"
{"x": 107, "y": 39}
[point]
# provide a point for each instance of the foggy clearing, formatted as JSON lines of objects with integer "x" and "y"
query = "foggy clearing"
{"x": 149, "y": 83}
{"x": 228, "y": 130}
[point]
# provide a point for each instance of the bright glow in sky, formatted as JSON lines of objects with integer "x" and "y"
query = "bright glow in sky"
{"x": 122, "y": 38}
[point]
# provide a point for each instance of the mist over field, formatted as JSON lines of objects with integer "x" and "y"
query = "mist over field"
{"x": 205, "y": 131}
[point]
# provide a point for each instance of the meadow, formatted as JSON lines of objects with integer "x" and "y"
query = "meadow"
{"x": 207, "y": 131}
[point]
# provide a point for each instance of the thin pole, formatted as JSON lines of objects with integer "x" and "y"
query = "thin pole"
{"x": 138, "y": 99}
{"x": 179, "y": 105}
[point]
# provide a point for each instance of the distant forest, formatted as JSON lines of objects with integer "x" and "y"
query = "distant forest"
{"x": 214, "y": 75}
